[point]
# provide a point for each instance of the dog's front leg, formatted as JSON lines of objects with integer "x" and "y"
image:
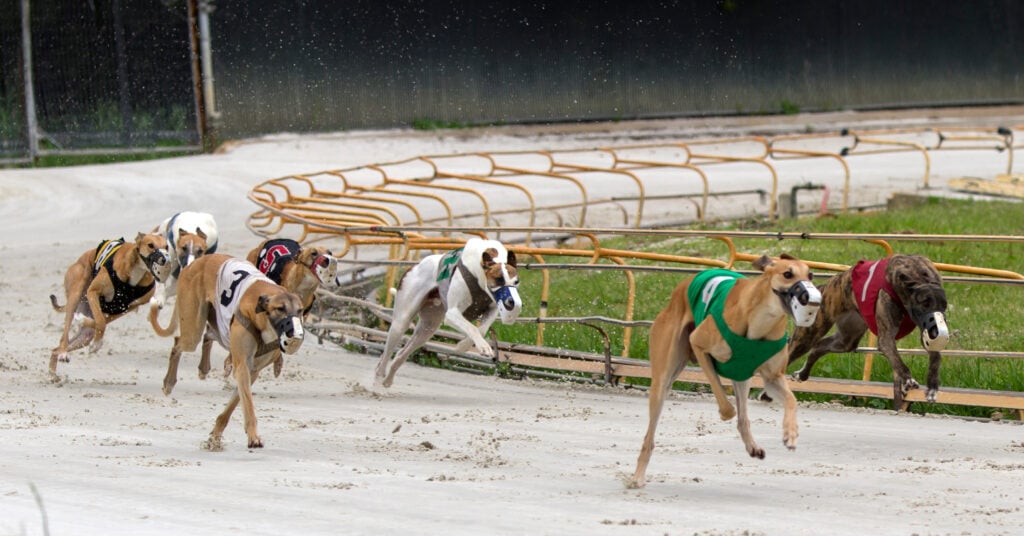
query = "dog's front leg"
{"x": 934, "y": 360}
{"x": 742, "y": 390}
{"x": 243, "y": 348}
{"x": 159, "y": 298}
{"x": 725, "y": 409}
{"x": 454, "y": 318}
{"x": 703, "y": 341}
{"x": 903, "y": 380}
{"x": 775, "y": 384}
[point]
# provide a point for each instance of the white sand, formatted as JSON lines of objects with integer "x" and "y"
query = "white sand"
{"x": 444, "y": 452}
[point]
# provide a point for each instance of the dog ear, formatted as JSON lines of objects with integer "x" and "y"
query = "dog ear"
{"x": 762, "y": 263}
{"x": 262, "y": 304}
{"x": 200, "y": 233}
{"x": 182, "y": 232}
{"x": 487, "y": 260}
{"x": 511, "y": 258}
{"x": 139, "y": 237}
{"x": 788, "y": 257}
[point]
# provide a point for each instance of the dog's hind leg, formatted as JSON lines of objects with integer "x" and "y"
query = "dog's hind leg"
{"x": 215, "y": 441}
{"x": 75, "y": 282}
{"x": 665, "y": 367}
{"x": 742, "y": 390}
{"x": 407, "y": 304}
{"x": 431, "y": 317}
{"x": 850, "y": 328}
{"x": 171, "y": 378}
{"x": 204, "y": 359}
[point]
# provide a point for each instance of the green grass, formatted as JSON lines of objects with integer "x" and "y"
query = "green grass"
{"x": 88, "y": 159}
{"x": 982, "y": 317}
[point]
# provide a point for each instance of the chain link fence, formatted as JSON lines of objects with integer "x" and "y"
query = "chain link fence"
{"x": 105, "y": 76}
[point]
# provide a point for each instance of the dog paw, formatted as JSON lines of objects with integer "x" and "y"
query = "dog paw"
{"x": 789, "y": 439}
{"x": 932, "y": 395}
{"x": 727, "y": 412}
{"x": 634, "y": 483}
{"x": 63, "y": 357}
{"x": 95, "y": 346}
{"x": 909, "y": 385}
{"x": 256, "y": 443}
{"x": 485, "y": 351}
{"x": 212, "y": 444}
{"x": 756, "y": 452}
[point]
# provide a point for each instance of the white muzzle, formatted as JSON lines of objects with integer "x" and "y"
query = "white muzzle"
{"x": 934, "y": 332}
{"x": 326, "y": 269}
{"x": 804, "y": 302}
{"x": 509, "y": 304}
{"x": 291, "y": 339}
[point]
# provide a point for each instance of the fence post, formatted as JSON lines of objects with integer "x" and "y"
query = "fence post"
{"x": 31, "y": 122}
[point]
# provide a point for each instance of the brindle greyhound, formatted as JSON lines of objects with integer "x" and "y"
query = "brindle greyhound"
{"x": 890, "y": 297}
{"x": 746, "y": 334}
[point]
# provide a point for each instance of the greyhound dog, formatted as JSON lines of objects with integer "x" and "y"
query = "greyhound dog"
{"x": 890, "y": 297}
{"x": 746, "y": 335}
{"x": 298, "y": 269}
{"x": 191, "y": 234}
{"x": 105, "y": 284}
{"x": 477, "y": 281}
{"x": 229, "y": 300}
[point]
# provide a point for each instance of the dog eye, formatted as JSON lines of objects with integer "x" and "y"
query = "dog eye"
{"x": 788, "y": 274}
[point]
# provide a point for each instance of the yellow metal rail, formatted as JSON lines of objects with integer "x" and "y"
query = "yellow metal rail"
{"x": 565, "y": 203}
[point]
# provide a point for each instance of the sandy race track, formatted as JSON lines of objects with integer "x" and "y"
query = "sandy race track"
{"x": 105, "y": 452}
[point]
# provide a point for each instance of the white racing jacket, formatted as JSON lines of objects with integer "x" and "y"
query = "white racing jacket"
{"x": 233, "y": 279}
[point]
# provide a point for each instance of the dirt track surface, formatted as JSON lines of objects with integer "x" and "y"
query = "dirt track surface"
{"x": 108, "y": 453}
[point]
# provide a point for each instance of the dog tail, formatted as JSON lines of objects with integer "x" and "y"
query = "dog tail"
{"x": 56, "y": 306}
{"x": 154, "y": 320}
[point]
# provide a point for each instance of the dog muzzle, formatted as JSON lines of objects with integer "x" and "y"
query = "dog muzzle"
{"x": 804, "y": 301}
{"x": 325, "y": 268}
{"x": 289, "y": 334}
{"x": 158, "y": 264}
{"x": 934, "y": 331}
{"x": 509, "y": 304}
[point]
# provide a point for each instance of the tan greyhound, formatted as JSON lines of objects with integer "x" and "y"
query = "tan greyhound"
{"x": 745, "y": 334}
